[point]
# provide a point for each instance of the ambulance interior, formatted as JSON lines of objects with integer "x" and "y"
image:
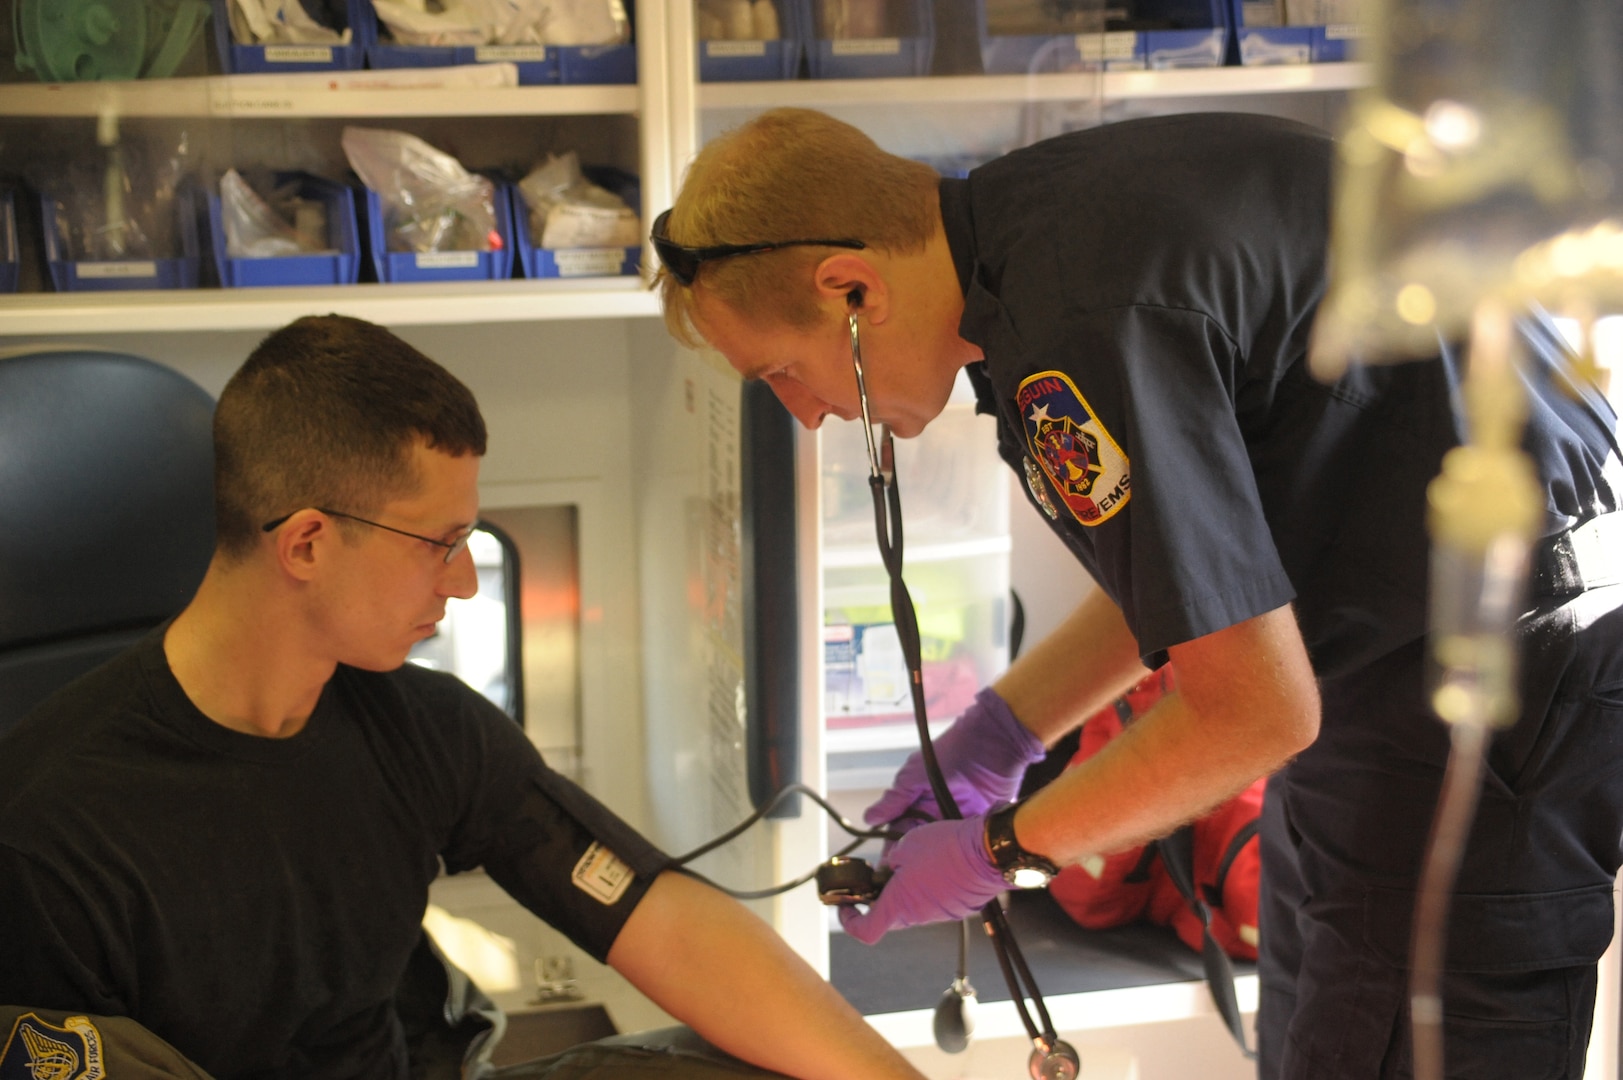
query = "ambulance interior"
{"x": 617, "y": 614}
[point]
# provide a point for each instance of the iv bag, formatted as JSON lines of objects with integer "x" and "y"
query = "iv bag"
{"x": 1484, "y": 163}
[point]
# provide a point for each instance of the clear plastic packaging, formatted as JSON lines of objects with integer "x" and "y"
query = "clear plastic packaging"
{"x": 566, "y": 210}
{"x": 280, "y": 224}
{"x": 289, "y": 22}
{"x": 840, "y": 19}
{"x": 504, "y": 22}
{"x": 117, "y": 201}
{"x": 739, "y": 20}
{"x": 430, "y": 202}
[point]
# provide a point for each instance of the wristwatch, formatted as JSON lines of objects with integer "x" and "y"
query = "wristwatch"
{"x": 1021, "y": 869}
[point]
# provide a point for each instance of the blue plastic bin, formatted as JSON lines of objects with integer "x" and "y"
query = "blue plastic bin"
{"x": 89, "y": 275}
{"x": 578, "y": 262}
{"x": 1201, "y": 41}
{"x": 1031, "y": 54}
{"x": 8, "y": 241}
{"x": 600, "y": 65}
{"x": 279, "y": 58}
{"x": 1263, "y": 45}
{"x": 397, "y": 266}
{"x": 341, "y": 267}
{"x": 537, "y": 64}
{"x": 757, "y": 61}
{"x": 907, "y": 54}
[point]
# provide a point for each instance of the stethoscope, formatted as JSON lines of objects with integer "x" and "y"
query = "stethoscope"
{"x": 1051, "y": 1058}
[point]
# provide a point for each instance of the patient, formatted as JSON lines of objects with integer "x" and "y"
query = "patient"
{"x": 227, "y": 833}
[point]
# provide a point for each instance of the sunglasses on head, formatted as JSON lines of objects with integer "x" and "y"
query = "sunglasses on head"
{"x": 682, "y": 263}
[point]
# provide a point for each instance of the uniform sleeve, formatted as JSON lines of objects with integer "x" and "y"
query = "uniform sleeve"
{"x": 48, "y": 952}
{"x": 1143, "y": 451}
{"x": 552, "y": 846}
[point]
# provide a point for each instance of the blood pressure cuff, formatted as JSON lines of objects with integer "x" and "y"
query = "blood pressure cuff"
{"x": 574, "y": 863}
{"x": 1131, "y": 885}
{"x": 77, "y": 1046}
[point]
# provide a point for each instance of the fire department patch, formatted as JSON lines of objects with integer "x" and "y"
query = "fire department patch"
{"x": 36, "y": 1050}
{"x": 1077, "y": 455}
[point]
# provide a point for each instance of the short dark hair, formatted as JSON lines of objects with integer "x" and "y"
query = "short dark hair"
{"x": 325, "y": 412}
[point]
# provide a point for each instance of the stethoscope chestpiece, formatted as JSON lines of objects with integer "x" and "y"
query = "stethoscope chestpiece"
{"x": 1057, "y": 1062}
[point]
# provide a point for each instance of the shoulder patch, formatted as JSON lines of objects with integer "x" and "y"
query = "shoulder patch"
{"x": 36, "y": 1050}
{"x": 1088, "y": 470}
{"x": 601, "y": 874}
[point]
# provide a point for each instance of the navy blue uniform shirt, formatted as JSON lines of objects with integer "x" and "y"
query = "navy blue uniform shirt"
{"x": 1144, "y": 294}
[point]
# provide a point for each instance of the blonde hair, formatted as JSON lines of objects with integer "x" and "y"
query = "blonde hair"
{"x": 790, "y": 174}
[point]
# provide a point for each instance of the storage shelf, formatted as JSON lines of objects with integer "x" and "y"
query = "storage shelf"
{"x": 250, "y": 97}
{"x": 970, "y": 89}
{"x": 867, "y": 554}
{"x": 254, "y": 96}
{"x": 436, "y": 303}
{"x": 900, "y": 734}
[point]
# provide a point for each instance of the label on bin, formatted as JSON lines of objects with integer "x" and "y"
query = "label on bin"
{"x": 866, "y": 46}
{"x": 298, "y": 54}
{"x": 124, "y": 268}
{"x": 515, "y": 53}
{"x": 724, "y": 49}
{"x": 1343, "y": 31}
{"x": 1117, "y": 45}
{"x": 447, "y": 260}
{"x": 588, "y": 262}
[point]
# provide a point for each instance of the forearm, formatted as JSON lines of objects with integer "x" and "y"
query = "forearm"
{"x": 1051, "y": 690}
{"x": 1246, "y": 703}
{"x": 708, "y": 961}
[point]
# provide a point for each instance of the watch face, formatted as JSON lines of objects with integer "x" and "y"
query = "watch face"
{"x": 1027, "y": 877}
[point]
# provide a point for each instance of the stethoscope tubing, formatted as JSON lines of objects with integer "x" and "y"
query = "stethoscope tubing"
{"x": 887, "y": 503}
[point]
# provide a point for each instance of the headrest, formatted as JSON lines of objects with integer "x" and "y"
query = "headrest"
{"x": 106, "y": 493}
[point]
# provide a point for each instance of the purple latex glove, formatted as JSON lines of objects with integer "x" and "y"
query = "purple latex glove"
{"x": 983, "y": 755}
{"x": 939, "y": 871}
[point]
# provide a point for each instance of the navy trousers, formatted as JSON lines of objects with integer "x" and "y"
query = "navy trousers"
{"x": 1343, "y": 835}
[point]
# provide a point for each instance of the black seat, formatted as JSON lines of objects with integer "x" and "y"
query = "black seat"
{"x": 107, "y": 504}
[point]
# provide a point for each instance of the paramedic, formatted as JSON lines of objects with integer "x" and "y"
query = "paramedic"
{"x": 228, "y": 832}
{"x": 1133, "y": 304}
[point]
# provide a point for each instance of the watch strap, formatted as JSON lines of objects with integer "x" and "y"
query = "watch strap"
{"x": 1012, "y": 860}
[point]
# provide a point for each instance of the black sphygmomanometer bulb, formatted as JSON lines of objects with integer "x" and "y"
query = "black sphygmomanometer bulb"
{"x": 954, "y": 1020}
{"x": 849, "y": 880}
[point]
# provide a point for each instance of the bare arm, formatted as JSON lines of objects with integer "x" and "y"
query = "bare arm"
{"x": 708, "y": 961}
{"x": 1087, "y": 662}
{"x": 1246, "y": 702}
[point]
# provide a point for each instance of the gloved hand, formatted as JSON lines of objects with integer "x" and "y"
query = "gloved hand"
{"x": 939, "y": 871}
{"x": 983, "y": 755}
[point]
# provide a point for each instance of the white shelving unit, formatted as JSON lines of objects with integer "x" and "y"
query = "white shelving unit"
{"x": 442, "y": 304}
{"x": 668, "y": 105}
{"x": 257, "y": 97}
{"x": 1020, "y": 89}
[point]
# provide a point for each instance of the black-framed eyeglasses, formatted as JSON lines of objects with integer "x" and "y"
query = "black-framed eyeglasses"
{"x": 452, "y": 547}
{"x": 683, "y": 262}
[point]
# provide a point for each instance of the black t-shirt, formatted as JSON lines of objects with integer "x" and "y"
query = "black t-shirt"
{"x": 1144, "y": 294}
{"x": 253, "y": 901}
